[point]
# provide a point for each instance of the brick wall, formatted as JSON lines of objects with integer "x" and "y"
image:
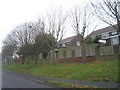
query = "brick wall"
{"x": 76, "y": 59}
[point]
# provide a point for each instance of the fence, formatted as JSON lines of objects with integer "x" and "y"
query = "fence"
{"x": 93, "y": 52}
{"x": 73, "y": 54}
{"x": 108, "y": 53}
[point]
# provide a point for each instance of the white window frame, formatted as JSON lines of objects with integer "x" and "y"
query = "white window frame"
{"x": 114, "y": 32}
{"x": 114, "y": 42}
{"x": 105, "y": 35}
{"x": 78, "y": 43}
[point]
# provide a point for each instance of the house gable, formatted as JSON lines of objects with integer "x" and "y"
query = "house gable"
{"x": 70, "y": 41}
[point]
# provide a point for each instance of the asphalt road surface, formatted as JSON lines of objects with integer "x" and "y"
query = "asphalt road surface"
{"x": 12, "y": 79}
{"x": 15, "y": 81}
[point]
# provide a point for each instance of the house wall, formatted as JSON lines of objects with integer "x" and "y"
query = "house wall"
{"x": 74, "y": 40}
{"x": 107, "y": 34}
{"x": 108, "y": 41}
{"x": 69, "y": 42}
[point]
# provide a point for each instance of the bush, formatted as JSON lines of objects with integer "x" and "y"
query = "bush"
{"x": 97, "y": 38}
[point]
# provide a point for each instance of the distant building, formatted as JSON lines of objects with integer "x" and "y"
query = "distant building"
{"x": 70, "y": 41}
{"x": 109, "y": 34}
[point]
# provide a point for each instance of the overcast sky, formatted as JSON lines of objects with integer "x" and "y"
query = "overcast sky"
{"x": 16, "y": 12}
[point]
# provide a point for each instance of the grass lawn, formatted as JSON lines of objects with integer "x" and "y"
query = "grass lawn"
{"x": 94, "y": 71}
{"x": 0, "y": 66}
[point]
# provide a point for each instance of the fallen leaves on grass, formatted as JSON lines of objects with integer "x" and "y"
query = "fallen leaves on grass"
{"x": 68, "y": 64}
{"x": 24, "y": 72}
{"x": 94, "y": 63}
{"x": 69, "y": 85}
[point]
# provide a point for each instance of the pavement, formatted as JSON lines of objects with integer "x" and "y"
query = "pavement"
{"x": 10, "y": 77}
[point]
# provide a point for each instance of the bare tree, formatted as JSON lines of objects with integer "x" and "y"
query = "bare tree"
{"x": 40, "y": 28}
{"x": 20, "y": 35}
{"x": 81, "y": 22}
{"x": 56, "y": 21}
{"x": 7, "y": 52}
{"x": 108, "y": 11}
{"x": 23, "y": 34}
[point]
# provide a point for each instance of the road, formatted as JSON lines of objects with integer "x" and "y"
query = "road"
{"x": 15, "y": 81}
{"x": 19, "y": 80}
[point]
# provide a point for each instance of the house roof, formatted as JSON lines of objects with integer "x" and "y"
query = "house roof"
{"x": 66, "y": 39}
{"x": 103, "y": 30}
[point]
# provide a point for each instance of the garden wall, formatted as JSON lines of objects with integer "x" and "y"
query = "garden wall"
{"x": 73, "y": 54}
{"x": 93, "y": 52}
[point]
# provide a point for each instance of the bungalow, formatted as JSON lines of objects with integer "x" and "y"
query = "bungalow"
{"x": 109, "y": 34}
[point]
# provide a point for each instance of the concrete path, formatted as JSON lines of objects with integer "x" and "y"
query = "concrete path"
{"x": 89, "y": 83}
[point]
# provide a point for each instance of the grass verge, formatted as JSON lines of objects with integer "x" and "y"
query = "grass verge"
{"x": 68, "y": 85}
{"x": 94, "y": 71}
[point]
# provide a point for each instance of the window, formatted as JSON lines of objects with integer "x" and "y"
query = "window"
{"x": 104, "y": 36}
{"x": 68, "y": 43}
{"x": 78, "y": 43}
{"x": 63, "y": 45}
{"x": 114, "y": 32}
{"x": 114, "y": 40}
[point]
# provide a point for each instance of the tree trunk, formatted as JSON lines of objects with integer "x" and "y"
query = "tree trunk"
{"x": 118, "y": 25}
{"x": 36, "y": 59}
{"x": 23, "y": 59}
{"x": 27, "y": 61}
{"x": 83, "y": 51}
{"x": 53, "y": 57}
{"x": 118, "y": 30}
